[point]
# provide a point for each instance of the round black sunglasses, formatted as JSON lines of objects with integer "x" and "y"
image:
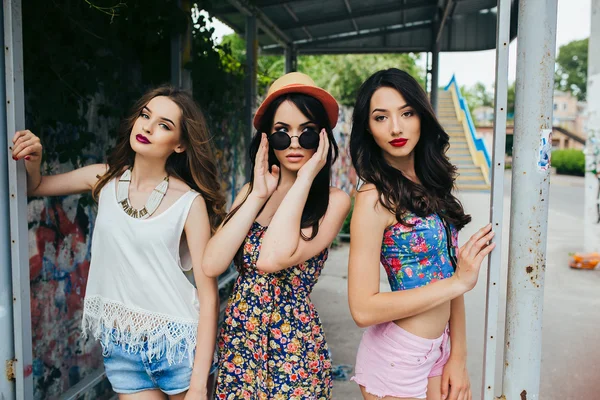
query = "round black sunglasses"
{"x": 280, "y": 140}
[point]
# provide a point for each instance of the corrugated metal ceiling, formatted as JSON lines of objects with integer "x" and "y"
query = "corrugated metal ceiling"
{"x": 359, "y": 26}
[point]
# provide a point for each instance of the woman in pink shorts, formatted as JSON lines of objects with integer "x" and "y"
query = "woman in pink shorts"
{"x": 406, "y": 218}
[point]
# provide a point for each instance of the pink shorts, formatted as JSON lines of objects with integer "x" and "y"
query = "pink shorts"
{"x": 394, "y": 362}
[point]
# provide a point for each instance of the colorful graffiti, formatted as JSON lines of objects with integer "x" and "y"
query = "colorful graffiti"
{"x": 344, "y": 176}
{"x": 230, "y": 152}
{"x": 59, "y": 232}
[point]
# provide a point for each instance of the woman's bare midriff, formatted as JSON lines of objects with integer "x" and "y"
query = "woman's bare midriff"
{"x": 429, "y": 324}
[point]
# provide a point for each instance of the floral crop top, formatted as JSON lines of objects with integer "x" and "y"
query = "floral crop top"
{"x": 418, "y": 255}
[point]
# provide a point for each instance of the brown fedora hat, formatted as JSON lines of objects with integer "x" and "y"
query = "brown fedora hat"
{"x": 297, "y": 82}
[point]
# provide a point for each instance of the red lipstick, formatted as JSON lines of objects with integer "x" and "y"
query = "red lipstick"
{"x": 398, "y": 142}
{"x": 142, "y": 139}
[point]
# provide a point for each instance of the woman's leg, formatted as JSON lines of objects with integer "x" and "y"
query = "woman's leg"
{"x": 434, "y": 388}
{"x": 178, "y": 396}
{"x": 144, "y": 395}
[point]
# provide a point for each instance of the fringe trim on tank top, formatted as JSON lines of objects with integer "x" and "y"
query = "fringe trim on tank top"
{"x": 133, "y": 328}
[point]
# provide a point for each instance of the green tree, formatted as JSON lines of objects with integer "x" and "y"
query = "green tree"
{"x": 268, "y": 67}
{"x": 571, "y": 72}
{"x": 477, "y": 95}
{"x": 341, "y": 75}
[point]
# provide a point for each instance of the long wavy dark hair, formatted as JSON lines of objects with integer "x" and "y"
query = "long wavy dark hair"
{"x": 318, "y": 196}
{"x": 195, "y": 166}
{"x": 399, "y": 194}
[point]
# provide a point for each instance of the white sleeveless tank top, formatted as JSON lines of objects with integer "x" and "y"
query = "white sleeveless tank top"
{"x": 137, "y": 292}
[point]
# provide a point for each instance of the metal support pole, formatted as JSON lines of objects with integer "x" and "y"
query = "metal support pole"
{"x": 176, "y": 60}
{"x": 592, "y": 145}
{"x": 250, "y": 83}
{"x": 529, "y": 198}
{"x": 17, "y": 192}
{"x": 497, "y": 200}
{"x": 7, "y": 347}
{"x": 427, "y": 73}
{"x": 435, "y": 62}
{"x": 291, "y": 59}
{"x": 186, "y": 49}
{"x": 181, "y": 53}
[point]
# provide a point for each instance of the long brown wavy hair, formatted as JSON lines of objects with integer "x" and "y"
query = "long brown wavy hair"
{"x": 195, "y": 166}
{"x": 437, "y": 174}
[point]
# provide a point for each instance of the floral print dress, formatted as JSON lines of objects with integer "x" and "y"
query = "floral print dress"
{"x": 272, "y": 345}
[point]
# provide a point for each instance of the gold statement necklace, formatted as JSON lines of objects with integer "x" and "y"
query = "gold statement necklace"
{"x": 156, "y": 197}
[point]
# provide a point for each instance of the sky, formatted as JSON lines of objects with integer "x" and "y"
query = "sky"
{"x": 574, "y": 18}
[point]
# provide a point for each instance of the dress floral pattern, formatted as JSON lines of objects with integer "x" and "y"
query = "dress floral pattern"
{"x": 414, "y": 256}
{"x": 272, "y": 345}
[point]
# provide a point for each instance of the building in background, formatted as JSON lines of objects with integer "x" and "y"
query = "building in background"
{"x": 568, "y": 120}
{"x": 568, "y": 112}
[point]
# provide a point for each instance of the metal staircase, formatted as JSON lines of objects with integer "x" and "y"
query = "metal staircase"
{"x": 471, "y": 176}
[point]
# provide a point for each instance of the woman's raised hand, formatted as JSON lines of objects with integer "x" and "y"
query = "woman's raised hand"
{"x": 265, "y": 181}
{"x": 318, "y": 160}
{"x": 471, "y": 255}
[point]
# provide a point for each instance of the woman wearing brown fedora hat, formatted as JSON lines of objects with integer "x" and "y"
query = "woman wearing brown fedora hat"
{"x": 272, "y": 344}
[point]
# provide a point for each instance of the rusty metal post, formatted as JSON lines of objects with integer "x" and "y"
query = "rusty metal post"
{"x": 497, "y": 201}
{"x": 529, "y": 198}
{"x": 7, "y": 347}
{"x": 17, "y": 199}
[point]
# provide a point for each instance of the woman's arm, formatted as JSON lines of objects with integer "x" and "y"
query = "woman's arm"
{"x": 222, "y": 247}
{"x": 367, "y": 305}
{"x": 455, "y": 377}
{"x": 282, "y": 245}
{"x": 458, "y": 327}
{"x": 27, "y": 146}
{"x": 197, "y": 231}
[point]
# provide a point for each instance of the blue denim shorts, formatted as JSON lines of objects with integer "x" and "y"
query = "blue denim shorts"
{"x": 131, "y": 371}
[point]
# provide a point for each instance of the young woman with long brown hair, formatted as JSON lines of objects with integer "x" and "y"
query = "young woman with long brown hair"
{"x": 407, "y": 218}
{"x": 158, "y": 193}
{"x": 272, "y": 344}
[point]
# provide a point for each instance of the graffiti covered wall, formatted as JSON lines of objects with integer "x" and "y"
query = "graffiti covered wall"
{"x": 60, "y": 231}
{"x": 344, "y": 176}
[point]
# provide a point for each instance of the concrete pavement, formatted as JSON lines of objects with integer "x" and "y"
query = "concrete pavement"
{"x": 570, "y": 350}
